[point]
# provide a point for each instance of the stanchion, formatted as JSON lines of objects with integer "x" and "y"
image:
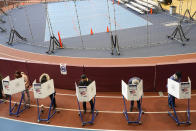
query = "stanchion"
{"x": 2, "y": 30}
{"x": 115, "y": 45}
{"x": 179, "y": 31}
{"x": 13, "y": 32}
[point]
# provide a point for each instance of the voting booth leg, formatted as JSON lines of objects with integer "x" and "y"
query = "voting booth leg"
{"x": 94, "y": 114}
{"x": 175, "y": 117}
{"x": 19, "y": 110}
{"x": 49, "y": 113}
{"x": 126, "y": 114}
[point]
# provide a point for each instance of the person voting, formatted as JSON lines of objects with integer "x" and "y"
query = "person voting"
{"x": 134, "y": 81}
{"x": 176, "y": 77}
{"x": 44, "y": 78}
{"x": 85, "y": 82}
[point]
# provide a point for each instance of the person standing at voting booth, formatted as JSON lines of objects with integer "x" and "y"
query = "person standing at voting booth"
{"x": 176, "y": 77}
{"x": 19, "y": 74}
{"x": 44, "y": 78}
{"x": 134, "y": 81}
{"x": 85, "y": 82}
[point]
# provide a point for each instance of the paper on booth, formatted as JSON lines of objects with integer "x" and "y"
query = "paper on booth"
{"x": 13, "y": 86}
{"x": 63, "y": 69}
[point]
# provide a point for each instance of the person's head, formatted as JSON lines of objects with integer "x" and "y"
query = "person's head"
{"x": 17, "y": 74}
{"x": 133, "y": 81}
{"x": 178, "y": 75}
{"x": 84, "y": 77}
{"x": 43, "y": 79}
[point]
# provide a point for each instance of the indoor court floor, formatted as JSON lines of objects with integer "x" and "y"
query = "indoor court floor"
{"x": 110, "y": 116}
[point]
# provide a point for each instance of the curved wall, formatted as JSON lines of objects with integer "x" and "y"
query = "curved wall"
{"x": 107, "y": 78}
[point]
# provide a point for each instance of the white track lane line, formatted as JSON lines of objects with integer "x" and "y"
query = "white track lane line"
{"x": 111, "y": 112}
{"x": 60, "y": 94}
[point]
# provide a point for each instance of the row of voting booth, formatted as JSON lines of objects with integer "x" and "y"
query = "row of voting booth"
{"x": 41, "y": 91}
{"x": 131, "y": 92}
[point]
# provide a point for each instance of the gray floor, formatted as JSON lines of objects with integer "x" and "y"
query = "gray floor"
{"x": 133, "y": 41}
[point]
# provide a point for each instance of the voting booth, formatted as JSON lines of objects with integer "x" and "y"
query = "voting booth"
{"x": 132, "y": 92}
{"x": 11, "y": 87}
{"x": 41, "y": 91}
{"x": 180, "y": 90}
{"x": 85, "y": 94}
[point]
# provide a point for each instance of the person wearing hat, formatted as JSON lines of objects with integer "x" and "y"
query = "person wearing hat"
{"x": 44, "y": 78}
{"x": 85, "y": 82}
{"x": 176, "y": 77}
{"x": 135, "y": 81}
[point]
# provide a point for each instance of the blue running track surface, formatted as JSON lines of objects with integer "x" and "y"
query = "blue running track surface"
{"x": 15, "y": 125}
{"x": 92, "y": 14}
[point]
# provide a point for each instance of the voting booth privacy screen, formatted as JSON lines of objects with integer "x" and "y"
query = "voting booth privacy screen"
{"x": 43, "y": 90}
{"x": 132, "y": 92}
{"x": 85, "y": 93}
{"x": 11, "y": 87}
{"x": 180, "y": 90}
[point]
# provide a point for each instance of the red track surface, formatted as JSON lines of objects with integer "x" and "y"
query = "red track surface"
{"x": 113, "y": 118}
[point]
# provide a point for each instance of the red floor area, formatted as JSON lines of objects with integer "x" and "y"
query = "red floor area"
{"x": 110, "y": 115}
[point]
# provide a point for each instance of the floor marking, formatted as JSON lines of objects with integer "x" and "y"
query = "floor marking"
{"x": 61, "y": 94}
{"x": 111, "y": 112}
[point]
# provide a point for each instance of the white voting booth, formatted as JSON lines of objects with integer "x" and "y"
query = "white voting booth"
{"x": 85, "y": 93}
{"x": 42, "y": 91}
{"x": 132, "y": 92}
{"x": 180, "y": 90}
{"x": 11, "y": 87}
